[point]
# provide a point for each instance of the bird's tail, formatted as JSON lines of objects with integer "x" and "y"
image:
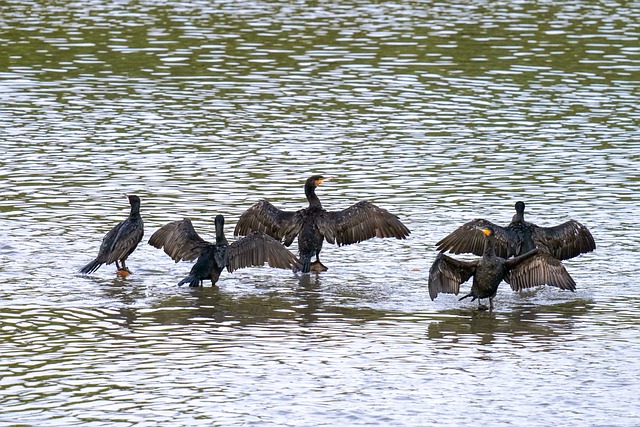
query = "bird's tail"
{"x": 191, "y": 279}
{"x": 91, "y": 267}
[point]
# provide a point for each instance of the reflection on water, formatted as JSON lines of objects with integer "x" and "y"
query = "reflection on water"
{"x": 86, "y": 363}
{"x": 438, "y": 112}
{"x": 532, "y": 324}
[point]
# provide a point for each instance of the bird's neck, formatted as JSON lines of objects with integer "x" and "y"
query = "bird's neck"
{"x": 220, "y": 239}
{"x": 135, "y": 212}
{"x": 518, "y": 217}
{"x": 489, "y": 247}
{"x": 314, "y": 201}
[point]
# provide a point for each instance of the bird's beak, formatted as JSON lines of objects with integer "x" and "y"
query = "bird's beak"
{"x": 485, "y": 231}
{"x": 320, "y": 181}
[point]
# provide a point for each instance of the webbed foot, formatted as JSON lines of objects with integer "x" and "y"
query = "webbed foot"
{"x": 123, "y": 272}
{"x": 318, "y": 267}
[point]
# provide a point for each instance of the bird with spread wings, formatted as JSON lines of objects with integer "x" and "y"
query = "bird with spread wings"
{"x": 313, "y": 224}
{"x": 181, "y": 242}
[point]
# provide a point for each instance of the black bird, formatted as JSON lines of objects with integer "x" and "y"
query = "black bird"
{"x": 563, "y": 241}
{"x": 313, "y": 225}
{"x": 181, "y": 242}
{"x": 534, "y": 268}
{"x": 120, "y": 242}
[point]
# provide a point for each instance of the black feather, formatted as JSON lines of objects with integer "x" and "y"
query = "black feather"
{"x": 533, "y": 268}
{"x": 563, "y": 241}
{"x": 313, "y": 225}
{"x": 120, "y": 241}
{"x": 181, "y": 242}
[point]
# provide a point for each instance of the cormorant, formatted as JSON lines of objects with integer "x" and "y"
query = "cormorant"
{"x": 313, "y": 225}
{"x": 181, "y": 242}
{"x": 534, "y": 268}
{"x": 563, "y": 241}
{"x": 120, "y": 242}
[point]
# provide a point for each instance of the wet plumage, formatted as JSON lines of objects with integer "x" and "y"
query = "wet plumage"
{"x": 120, "y": 242}
{"x": 533, "y": 268}
{"x": 563, "y": 241}
{"x": 181, "y": 242}
{"x": 313, "y": 225}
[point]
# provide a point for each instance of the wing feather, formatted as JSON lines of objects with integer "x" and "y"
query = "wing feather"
{"x": 265, "y": 217}
{"x": 123, "y": 239}
{"x": 469, "y": 239}
{"x": 537, "y": 269}
{"x": 447, "y": 274}
{"x": 566, "y": 240}
{"x": 258, "y": 248}
{"x": 359, "y": 222}
{"x": 180, "y": 240}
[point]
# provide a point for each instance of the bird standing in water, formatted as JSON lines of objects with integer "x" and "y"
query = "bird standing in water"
{"x": 120, "y": 242}
{"x": 314, "y": 224}
{"x": 181, "y": 242}
{"x": 563, "y": 241}
{"x": 533, "y": 268}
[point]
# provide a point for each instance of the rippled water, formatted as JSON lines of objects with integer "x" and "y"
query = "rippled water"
{"x": 440, "y": 112}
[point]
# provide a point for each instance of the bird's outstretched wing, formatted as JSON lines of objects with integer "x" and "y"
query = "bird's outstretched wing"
{"x": 536, "y": 268}
{"x": 257, "y": 248}
{"x": 564, "y": 241}
{"x": 446, "y": 274}
{"x": 122, "y": 240}
{"x": 359, "y": 222}
{"x": 468, "y": 238}
{"x": 180, "y": 240}
{"x": 265, "y": 217}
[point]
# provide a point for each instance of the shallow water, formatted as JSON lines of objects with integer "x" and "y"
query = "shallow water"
{"x": 440, "y": 112}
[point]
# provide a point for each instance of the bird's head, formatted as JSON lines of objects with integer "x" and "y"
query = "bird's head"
{"x": 133, "y": 199}
{"x": 315, "y": 180}
{"x": 520, "y": 207}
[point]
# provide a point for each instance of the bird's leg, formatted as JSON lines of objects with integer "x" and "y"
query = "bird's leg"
{"x": 491, "y": 304}
{"x": 481, "y": 306}
{"x": 122, "y": 271}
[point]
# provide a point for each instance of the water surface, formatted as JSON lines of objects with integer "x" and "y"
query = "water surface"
{"x": 440, "y": 112}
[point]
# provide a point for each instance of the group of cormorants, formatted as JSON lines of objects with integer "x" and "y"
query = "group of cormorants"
{"x": 522, "y": 254}
{"x": 536, "y": 251}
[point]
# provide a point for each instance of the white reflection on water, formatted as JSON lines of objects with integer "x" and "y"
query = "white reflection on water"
{"x": 242, "y": 366}
{"x": 440, "y": 113}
